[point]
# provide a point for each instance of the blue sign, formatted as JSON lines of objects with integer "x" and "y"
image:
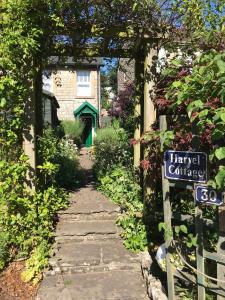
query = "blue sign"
{"x": 207, "y": 195}
{"x": 187, "y": 166}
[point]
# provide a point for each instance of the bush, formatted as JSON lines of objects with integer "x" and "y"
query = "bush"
{"x": 122, "y": 188}
{"x": 73, "y": 130}
{"x": 27, "y": 219}
{"x": 63, "y": 153}
{"x": 111, "y": 148}
{"x": 4, "y": 249}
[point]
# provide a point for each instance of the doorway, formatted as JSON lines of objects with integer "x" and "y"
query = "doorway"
{"x": 87, "y": 137}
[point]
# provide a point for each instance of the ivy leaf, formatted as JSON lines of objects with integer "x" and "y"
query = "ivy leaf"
{"x": 217, "y": 134}
{"x": 221, "y": 65}
{"x": 222, "y": 116}
{"x": 220, "y": 153}
{"x": 177, "y": 229}
{"x": 220, "y": 177}
{"x": 183, "y": 228}
{"x": 211, "y": 183}
{"x": 161, "y": 226}
{"x": 3, "y": 102}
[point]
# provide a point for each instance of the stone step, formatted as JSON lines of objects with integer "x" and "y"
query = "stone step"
{"x": 94, "y": 206}
{"x": 92, "y": 257}
{"x": 111, "y": 285}
{"x": 86, "y": 230}
{"x": 103, "y": 215}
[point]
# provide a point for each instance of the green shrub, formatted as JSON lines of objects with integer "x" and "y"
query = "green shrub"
{"x": 111, "y": 148}
{"x": 63, "y": 154}
{"x": 4, "y": 249}
{"x": 73, "y": 130}
{"x": 121, "y": 187}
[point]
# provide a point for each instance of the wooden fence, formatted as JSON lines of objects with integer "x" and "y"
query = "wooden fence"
{"x": 194, "y": 274}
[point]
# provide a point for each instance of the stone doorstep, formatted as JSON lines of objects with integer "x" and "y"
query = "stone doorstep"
{"x": 111, "y": 285}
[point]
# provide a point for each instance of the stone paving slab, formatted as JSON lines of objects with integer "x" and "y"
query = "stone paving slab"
{"x": 84, "y": 228}
{"x": 78, "y": 257}
{"x": 110, "y": 285}
{"x": 81, "y": 206}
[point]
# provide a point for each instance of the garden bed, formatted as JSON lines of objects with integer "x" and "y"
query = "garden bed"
{"x": 11, "y": 285}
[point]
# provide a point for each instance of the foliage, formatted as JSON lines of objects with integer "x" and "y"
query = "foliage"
{"x": 73, "y": 130}
{"x": 123, "y": 108}
{"x": 63, "y": 154}
{"x": 4, "y": 249}
{"x": 26, "y": 219}
{"x": 36, "y": 263}
{"x": 121, "y": 187}
{"x": 134, "y": 233}
{"x": 111, "y": 148}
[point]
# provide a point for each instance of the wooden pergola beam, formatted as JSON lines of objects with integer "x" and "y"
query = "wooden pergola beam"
{"x": 93, "y": 51}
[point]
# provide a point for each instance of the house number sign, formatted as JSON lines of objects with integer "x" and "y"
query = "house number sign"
{"x": 208, "y": 196}
{"x": 185, "y": 165}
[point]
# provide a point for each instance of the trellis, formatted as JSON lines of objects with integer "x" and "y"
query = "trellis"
{"x": 200, "y": 278}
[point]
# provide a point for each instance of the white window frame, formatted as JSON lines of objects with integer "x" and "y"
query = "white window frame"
{"x": 83, "y": 83}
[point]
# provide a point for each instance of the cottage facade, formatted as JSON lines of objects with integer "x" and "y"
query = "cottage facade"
{"x": 76, "y": 87}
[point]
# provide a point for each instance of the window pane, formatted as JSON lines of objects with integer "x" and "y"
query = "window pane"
{"x": 83, "y": 83}
{"x": 83, "y": 76}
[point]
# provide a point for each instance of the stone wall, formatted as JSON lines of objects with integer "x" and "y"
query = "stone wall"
{"x": 64, "y": 87}
{"x": 154, "y": 286}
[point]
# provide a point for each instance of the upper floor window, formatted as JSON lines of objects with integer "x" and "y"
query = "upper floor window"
{"x": 83, "y": 83}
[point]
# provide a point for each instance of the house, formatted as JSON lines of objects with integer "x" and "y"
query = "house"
{"x": 76, "y": 87}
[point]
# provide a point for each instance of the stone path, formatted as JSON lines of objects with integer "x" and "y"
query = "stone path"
{"x": 90, "y": 261}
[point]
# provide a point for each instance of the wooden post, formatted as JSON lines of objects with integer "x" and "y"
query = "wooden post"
{"x": 33, "y": 127}
{"x": 138, "y": 108}
{"x": 200, "y": 261}
{"x": 167, "y": 219}
{"x": 221, "y": 248}
{"x": 149, "y": 85}
{"x": 149, "y": 109}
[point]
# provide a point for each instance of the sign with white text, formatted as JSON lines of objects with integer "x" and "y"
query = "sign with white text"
{"x": 185, "y": 165}
{"x": 207, "y": 195}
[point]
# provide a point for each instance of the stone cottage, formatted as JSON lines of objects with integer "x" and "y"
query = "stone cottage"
{"x": 76, "y": 87}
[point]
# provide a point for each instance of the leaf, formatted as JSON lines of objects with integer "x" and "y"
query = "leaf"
{"x": 177, "y": 229}
{"x": 3, "y": 102}
{"x": 221, "y": 65}
{"x": 220, "y": 153}
{"x": 217, "y": 134}
{"x": 222, "y": 116}
{"x": 220, "y": 177}
{"x": 161, "y": 226}
{"x": 203, "y": 113}
{"x": 183, "y": 228}
{"x": 177, "y": 84}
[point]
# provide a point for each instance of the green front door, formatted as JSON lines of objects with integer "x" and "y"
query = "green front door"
{"x": 87, "y": 133}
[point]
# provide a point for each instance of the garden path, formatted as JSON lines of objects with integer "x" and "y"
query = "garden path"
{"x": 90, "y": 261}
